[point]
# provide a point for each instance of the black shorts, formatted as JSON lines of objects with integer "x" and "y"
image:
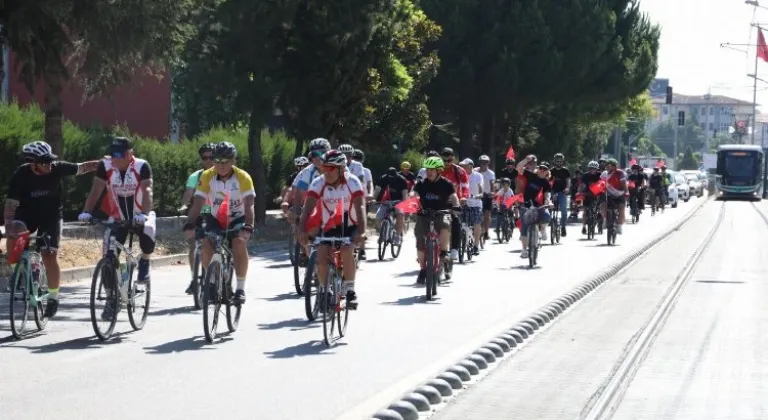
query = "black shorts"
{"x": 212, "y": 225}
{"x": 347, "y": 230}
{"x": 42, "y": 225}
{"x": 487, "y": 202}
{"x": 617, "y": 201}
{"x": 146, "y": 243}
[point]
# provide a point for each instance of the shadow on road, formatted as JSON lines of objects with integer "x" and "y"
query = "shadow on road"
{"x": 82, "y": 343}
{"x": 295, "y": 324}
{"x": 411, "y": 273}
{"x": 281, "y": 297}
{"x": 174, "y": 311}
{"x": 186, "y": 344}
{"x": 310, "y": 348}
{"x": 413, "y": 300}
{"x": 280, "y": 265}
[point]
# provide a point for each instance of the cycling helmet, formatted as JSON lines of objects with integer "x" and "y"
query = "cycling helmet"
{"x": 206, "y": 147}
{"x": 663, "y": 166}
{"x": 544, "y": 165}
{"x": 301, "y": 161}
{"x": 483, "y": 159}
{"x": 559, "y": 156}
{"x": 593, "y": 165}
{"x": 510, "y": 162}
{"x": 392, "y": 171}
{"x": 347, "y": 149}
{"x": 38, "y": 150}
{"x": 505, "y": 181}
{"x": 358, "y": 155}
{"x": 601, "y": 160}
{"x": 319, "y": 144}
{"x": 432, "y": 153}
{"x": 225, "y": 150}
{"x": 433, "y": 162}
{"x": 405, "y": 165}
{"x": 335, "y": 158}
{"x": 447, "y": 152}
{"x": 612, "y": 161}
{"x": 638, "y": 167}
{"x": 467, "y": 161}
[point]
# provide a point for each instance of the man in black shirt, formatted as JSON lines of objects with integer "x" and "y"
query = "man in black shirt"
{"x": 391, "y": 187}
{"x": 34, "y": 204}
{"x": 508, "y": 171}
{"x": 536, "y": 192}
{"x": 574, "y": 189}
{"x": 656, "y": 187}
{"x": 591, "y": 177}
{"x": 637, "y": 177}
{"x": 435, "y": 193}
{"x": 561, "y": 178}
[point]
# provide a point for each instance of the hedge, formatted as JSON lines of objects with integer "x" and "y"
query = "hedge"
{"x": 171, "y": 163}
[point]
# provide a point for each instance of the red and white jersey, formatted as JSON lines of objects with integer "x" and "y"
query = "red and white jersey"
{"x": 349, "y": 189}
{"x": 125, "y": 186}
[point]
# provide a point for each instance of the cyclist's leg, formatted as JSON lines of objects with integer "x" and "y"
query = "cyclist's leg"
{"x": 487, "y": 206}
{"x": 399, "y": 223}
{"x": 444, "y": 226}
{"x": 562, "y": 202}
{"x": 455, "y": 236}
{"x": 420, "y": 229}
{"x": 381, "y": 213}
{"x": 50, "y": 256}
{"x": 476, "y": 218}
{"x": 239, "y": 247}
{"x": 147, "y": 246}
{"x": 544, "y": 218}
{"x": 621, "y": 205}
{"x": 523, "y": 233}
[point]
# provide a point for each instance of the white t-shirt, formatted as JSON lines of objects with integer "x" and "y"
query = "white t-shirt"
{"x": 367, "y": 179}
{"x": 488, "y": 177}
{"x": 330, "y": 196}
{"x": 305, "y": 178}
{"x": 475, "y": 185}
{"x": 422, "y": 173}
{"x": 357, "y": 169}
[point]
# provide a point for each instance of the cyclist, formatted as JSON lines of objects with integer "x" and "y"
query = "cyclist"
{"x": 534, "y": 182}
{"x": 510, "y": 172}
{"x": 225, "y": 180}
{"x": 337, "y": 184}
{"x": 317, "y": 148}
{"x": 34, "y": 204}
{"x": 503, "y": 194}
{"x": 656, "y": 188}
{"x": 575, "y": 187}
{"x": 460, "y": 180}
{"x": 435, "y": 192}
{"x": 300, "y": 163}
{"x": 489, "y": 188}
{"x": 665, "y": 183}
{"x": 405, "y": 172}
{"x": 398, "y": 190}
{"x": 615, "y": 187}
{"x": 423, "y": 171}
{"x": 357, "y": 169}
{"x": 638, "y": 179}
{"x": 474, "y": 208}
{"x": 206, "y": 159}
{"x": 128, "y": 181}
{"x": 561, "y": 178}
{"x": 367, "y": 179}
{"x": 591, "y": 177}
{"x": 601, "y": 164}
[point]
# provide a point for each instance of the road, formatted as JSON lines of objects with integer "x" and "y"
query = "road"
{"x": 275, "y": 366}
{"x": 706, "y": 359}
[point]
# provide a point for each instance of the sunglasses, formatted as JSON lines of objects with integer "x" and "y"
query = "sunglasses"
{"x": 222, "y": 161}
{"x": 206, "y": 157}
{"x": 328, "y": 168}
{"x": 315, "y": 154}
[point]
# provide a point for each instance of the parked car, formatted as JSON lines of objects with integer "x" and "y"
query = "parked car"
{"x": 694, "y": 182}
{"x": 683, "y": 189}
{"x": 673, "y": 192}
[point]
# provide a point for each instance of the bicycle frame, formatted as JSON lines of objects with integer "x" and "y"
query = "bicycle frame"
{"x": 25, "y": 262}
{"x": 112, "y": 248}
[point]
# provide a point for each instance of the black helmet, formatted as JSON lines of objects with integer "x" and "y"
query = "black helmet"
{"x": 206, "y": 147}
{"x": 447, "y": 152}
{"x": 392, "y": 171}
{"x": 225, "y": 150}
{"x": 358, "y": 155}
{"x": 510, "y": 162}
{"x": 505, "y": 181}
{"x": 432, "y": 153}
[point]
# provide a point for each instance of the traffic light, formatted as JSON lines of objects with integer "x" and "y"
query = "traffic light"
{"x": 681, "y": 118}
{"x": 669, "y": 95}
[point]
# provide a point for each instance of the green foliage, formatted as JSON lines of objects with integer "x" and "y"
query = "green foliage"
{"x": 690, "y": 134}
{"x": 689, "y": 161}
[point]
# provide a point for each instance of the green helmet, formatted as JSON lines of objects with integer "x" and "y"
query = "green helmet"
{"x": 612, "y": 161}
{"x": 433, "y": 162}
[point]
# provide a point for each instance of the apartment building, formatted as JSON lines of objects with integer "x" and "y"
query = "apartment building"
{"x": 713, "y": 113}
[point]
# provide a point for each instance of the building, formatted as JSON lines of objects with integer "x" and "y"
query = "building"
{"x": 714, "y": 113}
{"x": 144, "y": 107}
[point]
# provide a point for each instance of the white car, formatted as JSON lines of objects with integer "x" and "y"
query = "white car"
{"x": 672, "y": 191}
{"x": 694, "y": 182}
{"x": 683, "y": 189}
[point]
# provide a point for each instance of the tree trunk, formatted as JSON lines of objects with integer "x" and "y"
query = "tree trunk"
{"x": 256, "y": 124}
{"x": 466, "y": 132}
{"x": 299, "y": 151}
{"x": 2, "y": 71}
{"x": 53, "y": 115}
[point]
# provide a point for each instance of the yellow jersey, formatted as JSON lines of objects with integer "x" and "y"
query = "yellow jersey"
{"x": 214, "y": 190}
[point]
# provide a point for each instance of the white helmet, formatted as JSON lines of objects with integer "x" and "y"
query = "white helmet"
{"x": 467, "y": 161}
{"x": 38, "y": 150}
{"x": 346, "y": 149}
{"x": 483, "y": 158}
{"x": 593, "y": 165}
{"x": 319, "y": 144}
{"x": 301, "y": 161}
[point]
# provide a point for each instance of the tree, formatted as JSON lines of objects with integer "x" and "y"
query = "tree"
{"x": 100, "y": 44}
{"x": 689, "y": 161}
{"x": 689, "y": 135}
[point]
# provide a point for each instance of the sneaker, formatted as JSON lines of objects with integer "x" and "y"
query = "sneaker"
{"x": 190, "y": 288}
{"x": 351, "y": 300}
{"x": 239, "y": 297}
{"x": 143, "y": 276}
{"x": 543, "y": 234}
{"x": 422, "y": 277}
{"x": 562, "y": 231}
{"x": 110, "y": 311}
{"x": 475, "y": 250}
{"x": 51, "y": 308}
{"x": 583, "y": 230}
{"x": 454, "y": 254}
{"x": 524, "y": 254}
{"x": 361, "y": 255}
{"x": 487, "y": 236}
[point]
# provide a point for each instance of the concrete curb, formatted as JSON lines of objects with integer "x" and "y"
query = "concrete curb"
{"x": 455, "y": 378}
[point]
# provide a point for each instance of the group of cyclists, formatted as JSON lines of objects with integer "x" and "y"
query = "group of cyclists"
{"x": 325, "y": 182}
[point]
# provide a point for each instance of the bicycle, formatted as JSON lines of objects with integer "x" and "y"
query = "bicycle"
{"x": 611, "y": 218}
{"x": 590, "y": 215}
{"x": 119, "y": 289}
{"x": 333, "y": 304}
{"x": 311, "y": 284}
{"x": 29, "y": 287}
{"x": 467, "y": 237}
{"x": 295, "y": 254}
{"x": 387, "y": 232}
{"x": 634, "y": 209}
{"x": 554, "y": 228}
{"x": 504, "y": 225}
{"x": 531, "y": 220}
{"x": 217, "y": 287}
{"x": 434, "y": 268}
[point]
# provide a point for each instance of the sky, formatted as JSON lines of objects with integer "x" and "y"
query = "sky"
{"x": 690, "y": 54}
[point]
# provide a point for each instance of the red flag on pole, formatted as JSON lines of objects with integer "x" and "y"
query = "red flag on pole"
{"x": 409, "y": 206}
{"x": 632, "y": 162}
{"x": 762, "y": 48}
{"x": 660, "y": 163}
{"x": 337, "y": 218}
{"x": 223, "y": 214}
{"x": 510, "y": 153}
{"x": 510, "y": 201}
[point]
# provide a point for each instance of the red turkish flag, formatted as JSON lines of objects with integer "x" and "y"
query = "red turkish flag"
{"x": 510, "y": 153}
{"x": 517, "y": 198}
{"x": 762, "y": 48}
{"x": 385, "y": 196}
{"x": 337, "y": 218}
{"x": 315, "y": 218}
{"x": 597, "y": 187}
{"x": 223, "y": 214}
{"x": 409, "y": 206}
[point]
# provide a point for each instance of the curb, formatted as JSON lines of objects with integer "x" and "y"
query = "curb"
{"x": 433, "y": 393}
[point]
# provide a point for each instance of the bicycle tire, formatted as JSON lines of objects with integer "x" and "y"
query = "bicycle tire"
{"x": 329, "y": 313}
{"x": 500, "y": 228}
{"x": 383, "y": 238}
{"x": 311, "y": 309}
{"x": 105, "y": 265}
{"x": 298, "y": 275}
{"x": 552, "y": 230}
{"x": 19, "y": 276}
{"x": 211, "y": 299}
{"x": 532, "y": 247}
{"x": 392, "y": 248}
{"x": 609, "y": 225}
{"x": 462, "y": 245}
{"x": 139, "y": 323}
{"x": 431, "y": 269}
{"x": 233, "y": 310}
{"x": 292, "y": 255}
{"x": 197, "y": 279}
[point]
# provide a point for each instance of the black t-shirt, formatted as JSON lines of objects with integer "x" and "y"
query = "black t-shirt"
{"x": 396, "y": 185}
{"x": 560, "y": 177}
{"x": 125, "y": 203}
{"x": 290, "y": 178}
{"x": 410, "y": 176}
{"x": 510, "y": 173}
{"x": 637, "y": 179}
{"x": 39, "y": 195}
{"x": 575, "y": 183}
{"x": 655, "y": 181}
{"x": 589, "y": 178}
{"x": 435, "y": 195}
{"x": 533, "y": 185}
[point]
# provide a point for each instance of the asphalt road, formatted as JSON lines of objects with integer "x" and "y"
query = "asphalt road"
{"x": 275, "y": 366}
{"x": 707, "y": 360}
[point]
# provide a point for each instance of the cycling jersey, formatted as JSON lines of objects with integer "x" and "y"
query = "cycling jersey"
{"x": 589, "y": 178}
{"x": 435, "y": 194}
{"x": 292, "y": 177}
{"x": 39, "y": 196}
{"x": 305, "y": 178}
{"x": 613, "y": 182}
{"x": 357, "y": 169}
{"x": 214, "y": 189}
{"x": 655, "y": 181}
{"x": 395, "y": 184}
{"x": 637, "y": 179}
{"x": 458, "y": 177}
{"x": 192, "y": 182}
{"x": 123, "y": 199}
{"x": 560, "y": 178}
{"x": 329, "y": 196}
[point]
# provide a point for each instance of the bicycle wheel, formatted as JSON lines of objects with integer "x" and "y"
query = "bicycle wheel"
{"x": 552, "y": 230}
{"x": 463, "y": 245}
{"x": 233, "y": 310}
{"x": 212, "y": 297}
{"x": 501, "y": 228}
{"x": 197, "y": 280}
{"x": 431, "y": 270}
{"x": 507, "y": 229}
{"x": 41, "y": 321}
{"x": 394, "y": 250}
{"x": 19, "y": 300}
{"x": 292, "y": 255}
{"x": 532, "y": 246}
{"x": 330, "y": 306}
{"x": 298, "y": 271}
{"x": 105, "y": 280}
{"x": 383, "y": 238}
{"x": 138, "y": 303}
{"x": 312, "y": 304}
